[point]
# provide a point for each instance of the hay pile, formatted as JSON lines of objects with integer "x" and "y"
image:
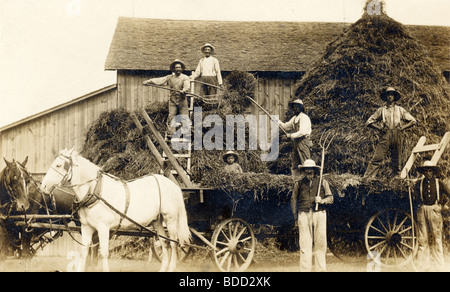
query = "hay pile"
{"x": 342, "y": 90}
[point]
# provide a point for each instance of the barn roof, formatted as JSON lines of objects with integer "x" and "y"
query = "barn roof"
{"x": 151, "y": 44}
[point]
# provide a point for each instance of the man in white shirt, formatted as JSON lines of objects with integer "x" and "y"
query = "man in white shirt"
{"x": 299, "y": 130}
{"x": 209, "y": 70}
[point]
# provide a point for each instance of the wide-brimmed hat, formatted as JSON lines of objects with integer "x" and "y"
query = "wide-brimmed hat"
{"x": 172, "y": 65}
{"x": 428, "y": 165}
{"x": 208, "y": 45}
{"x": 296, "y": 102}
{"x": 225, "y": 156}
{"x": 390, "y": 90}
{"x": 309, "y": 164}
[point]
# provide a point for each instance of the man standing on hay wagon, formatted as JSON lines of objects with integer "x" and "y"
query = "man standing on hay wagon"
{"x": 299, "y": 130}
{"x": 180, "y": 85}
{"x": 312, "y": 194}
{"x": 390, "y": 120}
{"x": 432, "y": 196}
{"x": 208, "y": 69}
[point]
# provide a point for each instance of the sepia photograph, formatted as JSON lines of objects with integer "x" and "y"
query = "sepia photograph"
{"x": 208, "y": 137}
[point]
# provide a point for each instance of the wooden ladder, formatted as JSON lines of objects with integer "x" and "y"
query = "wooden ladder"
{"x": 168, "y": 161}
{"x": 421, "y": 147}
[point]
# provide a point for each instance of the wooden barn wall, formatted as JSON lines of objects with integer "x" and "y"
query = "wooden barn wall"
{"x": 41, "y": 138}
{"x": 273, "y": 90}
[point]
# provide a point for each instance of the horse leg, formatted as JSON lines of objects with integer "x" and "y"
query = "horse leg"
{"x": 103, "y": 236}
{"x": 86, "y": 238}
{"x": 157, "y": 224}
{"x": 171, "y": 224}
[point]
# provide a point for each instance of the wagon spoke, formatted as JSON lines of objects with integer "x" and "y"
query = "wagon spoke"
{"x": 382, "y": 224}
{"x": 226, "y": 237}
{"x": 404, "y": 230}
{"x": 222, "y": 243}
{"x": 241, "y": 232}
{"x": 401, "y": 224}
{"x": 236, "y": 228}
{"x": 384, "y": 242}
{"x": 373, "y": 227}
{"x": 229, "y": 263}
{"x": 224, "y": 258}
{"x": 222, "y": 251}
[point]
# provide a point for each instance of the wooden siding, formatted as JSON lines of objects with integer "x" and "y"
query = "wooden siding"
{"x": 42, "y": 137}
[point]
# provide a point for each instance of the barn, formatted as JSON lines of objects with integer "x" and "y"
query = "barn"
{"x": 277, "y": 53}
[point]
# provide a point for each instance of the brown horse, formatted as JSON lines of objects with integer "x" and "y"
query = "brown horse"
{"x": 14, "y": 195}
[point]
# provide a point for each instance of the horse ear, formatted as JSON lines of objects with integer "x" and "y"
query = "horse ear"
{"x": 25, "y": 161}
{"x": 7, "y": 162}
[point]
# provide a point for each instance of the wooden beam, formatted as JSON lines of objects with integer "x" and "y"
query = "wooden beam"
{"x": 412, "y": 157}
{"x": 153, "y": 149}
{"x": 441, "y": 148}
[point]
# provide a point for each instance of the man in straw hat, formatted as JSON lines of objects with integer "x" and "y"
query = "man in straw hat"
{"x": 390, "y": 120}
{"x": 432, "y": 196}
{"x": 299, "y": 130}
{"x": 312, "y": 222}
{"x": 209, "y": 70}
{"x": 178, "y": 104}
{"x": 231, "y": 159}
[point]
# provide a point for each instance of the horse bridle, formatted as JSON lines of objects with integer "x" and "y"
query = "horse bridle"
{"x": 10, "y": 189}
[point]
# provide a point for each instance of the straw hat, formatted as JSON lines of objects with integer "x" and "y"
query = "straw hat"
{"x": 296, "y": 102}
{"x": 309, "y": 164}
{"x": 225, "y": 156}
{"x": 428, "y": 165}
{"x": 390, "y": 90}
{"x": 208, "y": 45}
{"x": 172, "y": 65}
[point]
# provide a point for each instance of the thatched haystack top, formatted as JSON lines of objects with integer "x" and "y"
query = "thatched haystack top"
{"x": 151, "y": 44}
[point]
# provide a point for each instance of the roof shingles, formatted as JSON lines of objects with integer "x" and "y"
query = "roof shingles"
{"x": 152, "y": 44}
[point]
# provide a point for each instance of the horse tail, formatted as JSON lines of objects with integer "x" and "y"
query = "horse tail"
{"x": 184, "y": 234}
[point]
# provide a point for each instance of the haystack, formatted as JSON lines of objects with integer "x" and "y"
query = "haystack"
{"x": 342, "y": 89}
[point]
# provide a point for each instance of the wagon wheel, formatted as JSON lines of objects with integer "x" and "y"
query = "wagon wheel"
{"x": 346, "y": 241}
{"x": 182, "y": 252}
{"x": 389, "y": 238}
{"x": 234, "y": 243}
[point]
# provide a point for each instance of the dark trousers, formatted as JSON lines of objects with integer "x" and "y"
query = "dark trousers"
{"x": 300, "y": 152}
{"x": 391, "y": 142}
{"x": 178, "y": 110}
{"x": 206, "y": 90}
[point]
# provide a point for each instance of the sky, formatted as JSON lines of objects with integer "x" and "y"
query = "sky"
{"x": 53, "y": 51}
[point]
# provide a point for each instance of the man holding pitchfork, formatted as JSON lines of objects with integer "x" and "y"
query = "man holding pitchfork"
{"x": 309, "y": 191}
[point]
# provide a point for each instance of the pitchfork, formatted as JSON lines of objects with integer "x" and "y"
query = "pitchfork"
{"x": 324, "y": 142}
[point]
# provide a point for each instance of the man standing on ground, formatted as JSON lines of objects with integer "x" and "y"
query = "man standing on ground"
{"x": 433, "y": 198}
{"x": 312, "y": 223}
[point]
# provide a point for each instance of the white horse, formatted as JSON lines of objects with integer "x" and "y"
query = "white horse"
{"x": 152, "y": 199}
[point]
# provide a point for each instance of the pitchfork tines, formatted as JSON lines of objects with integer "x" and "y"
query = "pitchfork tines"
{"x": 325, "y": 139}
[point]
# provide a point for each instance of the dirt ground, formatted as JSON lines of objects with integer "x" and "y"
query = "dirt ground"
{"x": 288, "y": 263}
